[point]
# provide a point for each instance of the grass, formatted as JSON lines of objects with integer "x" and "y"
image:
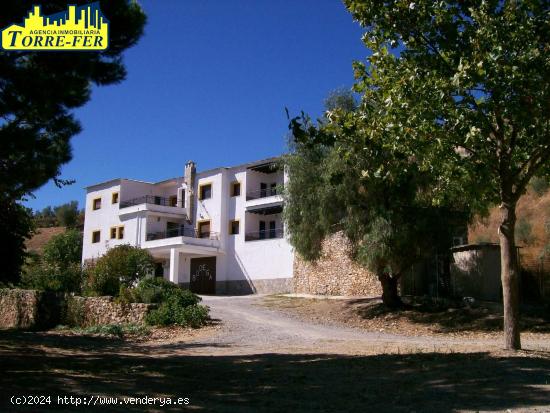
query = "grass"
{"x": 111, "y": 330}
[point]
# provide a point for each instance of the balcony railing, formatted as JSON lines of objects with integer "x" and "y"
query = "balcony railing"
{"x": 149, "y": 199}
{"x": 182, "y": 232}
{"x": 264, "y": 193}
{"x": 266, "y": 234}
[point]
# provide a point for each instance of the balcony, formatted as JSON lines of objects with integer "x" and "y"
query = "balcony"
{"x": 154, "y": 204}
{"x": 265, "y": 234}
{"x": 182, "y": 232}
{"x": 149, "y": 199}
{"x": 264, "y": 193}
{"x": 184, "y": 240}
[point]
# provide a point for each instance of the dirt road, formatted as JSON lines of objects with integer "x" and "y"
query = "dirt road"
{"x": 260, "y": 360}
{"x": 248, "y": 327}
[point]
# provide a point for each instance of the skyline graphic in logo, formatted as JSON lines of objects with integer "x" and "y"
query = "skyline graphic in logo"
{"x": 78, "y": 28}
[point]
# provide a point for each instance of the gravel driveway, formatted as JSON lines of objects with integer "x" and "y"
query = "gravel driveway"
{"x": 257, "y": 359}
{"x": 247, "y": 327}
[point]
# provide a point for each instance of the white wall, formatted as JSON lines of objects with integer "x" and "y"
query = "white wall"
{"x": 103, "y": 219}
{"x": 254, "y": 260}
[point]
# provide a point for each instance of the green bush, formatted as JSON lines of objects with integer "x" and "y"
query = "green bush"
{"x": 524, "y": 231}
{"x": 180, "y": 307}
{"x": 58, "y": 268}
{"x": 47, "y": 277}
{"x": 65, "y": 248}
{"x": 122, "y": 265}
{"x": 157, "y": 290}
{"x": 540, "y": 185}
{"x": 114, "y": 330}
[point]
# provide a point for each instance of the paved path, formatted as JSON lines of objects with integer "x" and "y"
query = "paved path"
{"x": 249, "y": 328}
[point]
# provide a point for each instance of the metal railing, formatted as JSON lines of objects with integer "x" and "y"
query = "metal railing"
{"x": 264, "y": 193}
{"x": 182, "y": 232}
{"x": 265, "y": 234}
{"x": 149, "y": 199}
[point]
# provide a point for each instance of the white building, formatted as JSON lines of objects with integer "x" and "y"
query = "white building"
{"x": 217, "y": 231}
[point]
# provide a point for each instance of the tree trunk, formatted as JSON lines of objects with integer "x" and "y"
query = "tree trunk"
{"x": 390, "y": 296}
{"x": 509, "y": 276}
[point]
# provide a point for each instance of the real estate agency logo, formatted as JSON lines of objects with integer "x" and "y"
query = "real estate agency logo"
{"x": 77, "y": 28}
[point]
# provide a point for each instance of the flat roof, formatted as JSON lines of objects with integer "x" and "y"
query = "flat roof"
{"x": 247, "y": 164}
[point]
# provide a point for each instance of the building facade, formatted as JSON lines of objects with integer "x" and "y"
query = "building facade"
{"x": 217, "y": 232}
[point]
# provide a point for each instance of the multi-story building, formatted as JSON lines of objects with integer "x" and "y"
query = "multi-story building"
{"x": 217, "y": 231}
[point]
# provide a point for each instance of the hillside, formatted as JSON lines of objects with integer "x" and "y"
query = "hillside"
{"x": 532, "y": 234}
{"x": 41, "y": 237}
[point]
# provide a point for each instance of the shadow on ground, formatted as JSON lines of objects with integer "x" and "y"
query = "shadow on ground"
{"x": 34, "y": 363}
{"x": 453, "y": 317}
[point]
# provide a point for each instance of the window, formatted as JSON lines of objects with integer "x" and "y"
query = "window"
{"x": 114, "y": 198}
{"x": 173, "y": 201}
{"x": 272, "y": 230}
{"x": 96, "y": 237}
{"x": 205, "y": 191}
{"x": 113, "y": 233}
{"x": 233, "y": 227}
{"x": 204, "y": 229}
{"x": 263, "y": 190}
{"x": 173, "y": 229}
{"x": 235, "y": 189}
{"x": 96, "y": 204}
{"x": 120, "y": 234}
{"x": 273, "y": 189}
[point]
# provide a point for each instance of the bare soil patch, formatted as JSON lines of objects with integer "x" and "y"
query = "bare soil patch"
{"x": 64, "y": 365}
{"x": 417, "y": 318}
{"x": 258, "y": 359}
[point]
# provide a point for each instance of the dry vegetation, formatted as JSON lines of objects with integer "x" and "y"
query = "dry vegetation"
{"x": 417, "y": 318}
{"x": 41, "y": 237}
{"x": 531, "y": 235}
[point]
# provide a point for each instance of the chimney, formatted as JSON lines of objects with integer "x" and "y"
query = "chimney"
{"x": 189, "y": 180}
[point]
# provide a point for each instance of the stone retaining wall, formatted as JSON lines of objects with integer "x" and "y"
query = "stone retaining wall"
{"x": 18, "y": 308}
{"x": 90, "y": 311}
{"x": 31, "y": 309}
{"x": 334, "y": 273}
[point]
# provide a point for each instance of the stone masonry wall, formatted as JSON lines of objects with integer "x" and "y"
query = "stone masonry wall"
{"x": 18, "y": 308}
{"x": 31, "y": 309}
{"x": 334, "y": 273}
{"x": 90, "y": 311}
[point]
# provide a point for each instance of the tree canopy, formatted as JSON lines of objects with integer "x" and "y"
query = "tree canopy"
{"x": 38, "y": 92}
{"x": 463, "y": 86}
{"x": 343, "y": 176}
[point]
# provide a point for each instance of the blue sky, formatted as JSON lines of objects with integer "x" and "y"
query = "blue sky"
{"x": 209, "y": 81}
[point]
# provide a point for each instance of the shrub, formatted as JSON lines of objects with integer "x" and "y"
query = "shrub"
{"x": 64, "y": 249}
{"x": 179, "y": 307}
{"x": 157, "y": 290}
{"x": 114, "y": 330}
{"x": 47, "y": 277}
{"x": 121, "y": 265}
{"x": 540, "y": 185}
{"x": 524, "y": 231}
{"x": 58, "y": 269}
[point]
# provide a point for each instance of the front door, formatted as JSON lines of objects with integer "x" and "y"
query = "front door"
{"x": 203, "y": 275}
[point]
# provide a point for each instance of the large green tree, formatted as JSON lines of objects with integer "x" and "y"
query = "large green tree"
{"x": 38, "y": 92}
{"x": 346, "y": 176}
{"x": 466, "y": 91}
